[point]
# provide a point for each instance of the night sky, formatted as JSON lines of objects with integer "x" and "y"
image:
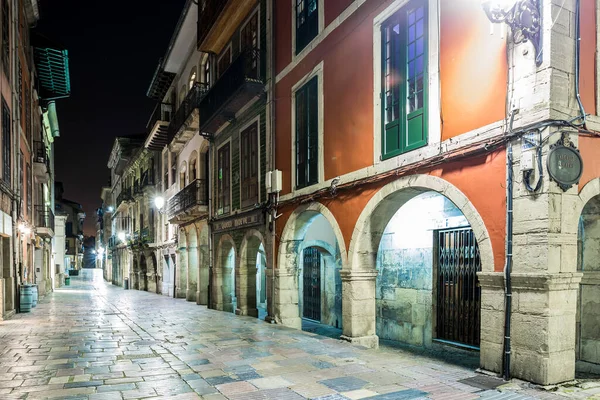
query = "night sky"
{"x": 114, "y": 48}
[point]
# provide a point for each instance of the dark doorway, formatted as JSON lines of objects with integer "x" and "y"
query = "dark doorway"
{"x": 458, "y": 291}
{"x": 312, "y": 284}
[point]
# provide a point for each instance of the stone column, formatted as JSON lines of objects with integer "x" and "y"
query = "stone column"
{"x": 246, "y": 287}
{"x": 192, "y": 275}
{"x": 358, "y": 307}
{"x": 284, "y": 303}
{"x": 492, "y": 321}
{"x": 181, "y": 274}
{"x": 203, "y": 275}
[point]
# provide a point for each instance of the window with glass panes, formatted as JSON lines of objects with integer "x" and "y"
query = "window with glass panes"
{"x": 223, "y": 179}
{"x": 307, "y": 22}
{"x": 173, "y": 168}
{"x": 404, "y": 80}
{"x": 249, "y": 40}
{"x": 249, "y": 165}
{"x": 6, "y": 38}
{"x": 224, "y": 61}
{"x": 207, "y": 71}
{"x": 307, "y": 134}
{"x": 6, "y": 141}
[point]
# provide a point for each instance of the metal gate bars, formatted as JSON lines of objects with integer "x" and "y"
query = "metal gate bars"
{"x": 458, "y": 291}
{"x": 311, "y": 274}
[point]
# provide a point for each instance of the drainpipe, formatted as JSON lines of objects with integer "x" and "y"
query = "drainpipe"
{"x": 508, "y": 266}
{"x": 210, "y": 237}
{"x": 271, "y": 159}
{"x": 17, "y": 248}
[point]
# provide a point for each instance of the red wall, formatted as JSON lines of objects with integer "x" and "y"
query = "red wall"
{"x": 590, "y": 149}
{"x": 473, "y": 68}
{"x": 482, "y": 179}
{"x": 587, "y": 83}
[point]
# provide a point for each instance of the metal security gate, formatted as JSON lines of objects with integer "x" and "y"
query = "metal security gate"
{"x": 311, "y": 298}
{"x": 458, "y": 291}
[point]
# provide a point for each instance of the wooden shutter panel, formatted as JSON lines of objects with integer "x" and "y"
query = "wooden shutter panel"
{"x": 301, "y": 139}
{"x": 313, "y": 131}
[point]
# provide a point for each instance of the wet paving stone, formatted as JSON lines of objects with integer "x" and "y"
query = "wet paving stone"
{"x": 95, "y": 341}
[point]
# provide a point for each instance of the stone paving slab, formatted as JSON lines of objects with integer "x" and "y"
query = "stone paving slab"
{"x": 94, "y": 341}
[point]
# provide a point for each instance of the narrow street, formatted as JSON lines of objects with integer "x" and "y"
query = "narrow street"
{"x": 92, "y": 340}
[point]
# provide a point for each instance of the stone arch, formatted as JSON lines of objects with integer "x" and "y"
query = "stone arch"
{"x": 587, "y": 338}
{"x": 286, "y": 298}
{"x": 223, "y": 296}
{"x": 203, "y": 265}
{"x": 181, "y": 266}
{"x": 192, "y": 271}
{"x": 360, "y": 273}
{"x": 246, "y": 273}
{"x": 371, "y": 223}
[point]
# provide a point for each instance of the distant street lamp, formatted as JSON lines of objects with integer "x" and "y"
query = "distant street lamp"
{"x": 110, "y": 209}
{"x": 122, "y": 237}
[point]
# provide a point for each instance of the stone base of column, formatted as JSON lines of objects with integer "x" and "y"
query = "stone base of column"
{"x": 251, "y": 312}
{"x": 190, "y": 295}
{"x": 180, "y": 294}
{"x": 371, "y": 342}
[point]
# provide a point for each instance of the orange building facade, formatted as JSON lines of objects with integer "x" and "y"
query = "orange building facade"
{"x": 401, "y": 129}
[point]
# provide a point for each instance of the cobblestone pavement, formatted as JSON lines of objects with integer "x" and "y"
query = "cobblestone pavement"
{"x": 95, "y": 341}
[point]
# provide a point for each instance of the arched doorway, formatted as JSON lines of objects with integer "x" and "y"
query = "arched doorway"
{"x": 426, "y": 286}
{"x": 311, "y": 256}
{"x": 417, "y": 266}
{"x": 587, "y": 349}
{"x": 192, "y": 278}
{"x": 143, "y": 280}
{"x": 251, "y": 276}
{"x": 224, "y": 288}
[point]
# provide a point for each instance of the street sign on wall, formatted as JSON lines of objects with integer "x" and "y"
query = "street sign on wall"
{"x": 565, "y": 164}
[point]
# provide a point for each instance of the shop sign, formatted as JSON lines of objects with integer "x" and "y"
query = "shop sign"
{"x": 565, "y": 164}
{"x": 238, "y": 222}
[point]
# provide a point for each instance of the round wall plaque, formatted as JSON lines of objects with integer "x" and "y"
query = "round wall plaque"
{"x": 565, "y": 165}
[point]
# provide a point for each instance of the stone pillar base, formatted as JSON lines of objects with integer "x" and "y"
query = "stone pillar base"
{"x": 251, "y": 312}
{"x": 371, "y": 342}
{"x": 190, "y": 295}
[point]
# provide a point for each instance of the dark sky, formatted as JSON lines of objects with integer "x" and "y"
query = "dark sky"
{"x": 114, "y": 48}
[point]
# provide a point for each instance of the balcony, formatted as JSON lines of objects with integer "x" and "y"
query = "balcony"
{"x": 239, "y": 84}
{"x": 146, "y": 236}
{"x": 158, "y": 126}
{"x": 186, "y": 117}
{"x": 189, "y": 203}
{"x": 124, "y": 196}
{"x": 218, "y": 20}
{"x": 146, "y": 182}
{"x": 41, "y": 162}
{"x": 112, "y": 242}
{"x": 44, "y": 222}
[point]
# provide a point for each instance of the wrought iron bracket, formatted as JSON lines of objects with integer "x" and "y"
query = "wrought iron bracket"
{"x": 525, "y": 21}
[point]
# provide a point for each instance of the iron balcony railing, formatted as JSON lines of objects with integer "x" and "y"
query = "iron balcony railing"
{"x": 147, "y": 180}
{"x": 208, "y": 12}
{"x": 246, "y": 68}
{"x": 40, "y": 153}
{"x": 112, "y": 242}
{"x": 125, "y": 195}
{"x": 189, "y": 104}
{"x": 162, "y": 112}
{"x": 44, "y": 217}
{"x": 196, "y": 193}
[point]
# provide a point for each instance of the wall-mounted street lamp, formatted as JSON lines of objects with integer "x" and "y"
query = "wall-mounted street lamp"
{"x": 523, "y": 17}
{"x": 159, "y": 203}
{"x": 122, "y": 236}
{"x": 110, "y": 209}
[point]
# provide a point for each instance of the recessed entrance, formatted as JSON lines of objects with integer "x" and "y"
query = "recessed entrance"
{"x": 311, "y": 284}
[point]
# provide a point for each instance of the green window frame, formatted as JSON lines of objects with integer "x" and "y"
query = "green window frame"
{"x": 307, "y": 134}
{"x": 404, "y": 80}
{"x": 307, "y": 22}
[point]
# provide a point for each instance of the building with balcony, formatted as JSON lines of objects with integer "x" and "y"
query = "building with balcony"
{"x": 72, "y": 215}
{"x": 214, "y": 152}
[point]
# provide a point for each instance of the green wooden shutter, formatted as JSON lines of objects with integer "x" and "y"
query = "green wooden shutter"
{"x": 301, "y": 139}
{"x": 416, "y": 73}
{"x": 312, "y": 107}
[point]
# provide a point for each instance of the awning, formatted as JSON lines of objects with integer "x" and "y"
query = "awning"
{"x": 52, "y": 64}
